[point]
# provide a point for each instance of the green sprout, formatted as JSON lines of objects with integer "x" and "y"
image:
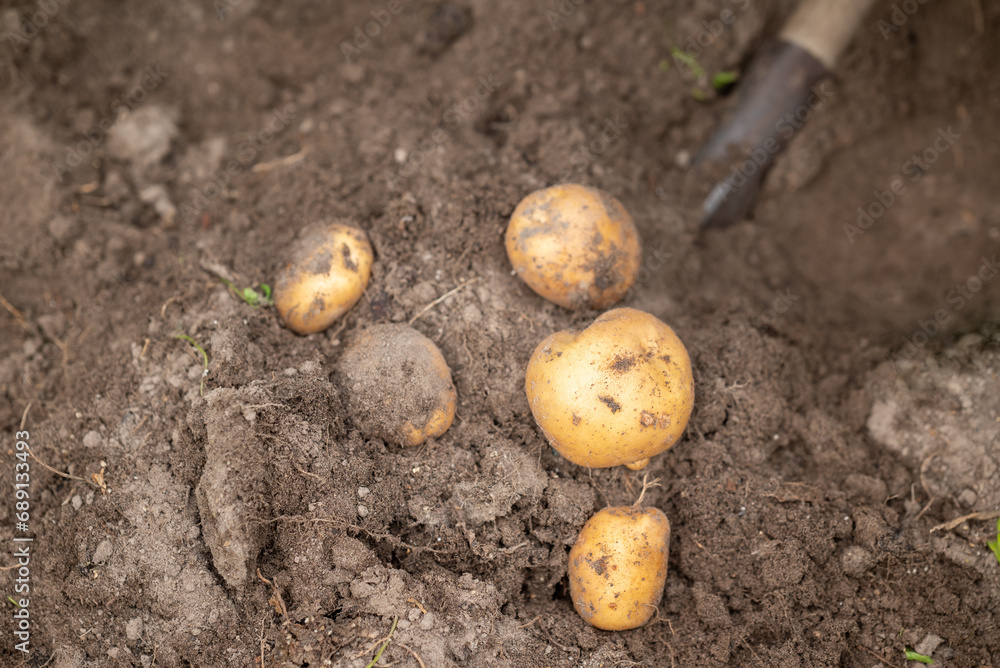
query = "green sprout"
{"x": 13, "y": 602}
{"x": 718, "y": 80}
{"x": 204, "y": 357}
{"x": 912, "y": 655}
{"x": 723, "y": 79}
{"x": 995, "y": 544}
{"x": 250, "y": 295}
{"x": 689, "y": 60}
{"x": 378, "y": 655}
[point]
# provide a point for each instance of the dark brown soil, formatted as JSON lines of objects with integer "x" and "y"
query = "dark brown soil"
{"x": 149, "y": 148}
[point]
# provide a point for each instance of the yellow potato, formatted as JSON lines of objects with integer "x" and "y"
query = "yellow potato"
{"x": 329, "y": 271}
{"x": 618, "y": 567}
{"x": 618, "y": 392}
{"x": 397, "y": 385}
{"x": 576, "y": 246}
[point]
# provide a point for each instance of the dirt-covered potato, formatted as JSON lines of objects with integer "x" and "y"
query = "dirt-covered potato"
{"x": 328, "y": 272}
{"x": 618, "y": 392}
{"x": 575, "y": 246}
{"x": 618, "y": 567}
{"x": 397, "y": 385}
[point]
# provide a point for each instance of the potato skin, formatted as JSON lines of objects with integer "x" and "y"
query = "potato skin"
{"x": 327, "y": 275}
{"x": 618, "y": 567}
{"x": 575, "y": 246}
{"x": 397, "y": 385}
{"x": 618, "y": 392}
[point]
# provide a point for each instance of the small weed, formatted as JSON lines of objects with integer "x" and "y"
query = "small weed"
{"x": 912, "y": 655}
{"x": 378, "y": 655}
{"x": 689, "y": 60}
{"x": 995, "y": 544}
{"x": 722, "y": 79}
{"x": 13, "y": 602}
{"x": 719, "y": 80}
{"x": 204, "y": 357}
{"x": 250, "y": 295}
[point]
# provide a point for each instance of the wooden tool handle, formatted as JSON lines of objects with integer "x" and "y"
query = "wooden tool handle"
{"x": 825, "y": 27}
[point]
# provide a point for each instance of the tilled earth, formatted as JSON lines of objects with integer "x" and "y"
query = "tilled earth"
{"x": 847, "y": 396}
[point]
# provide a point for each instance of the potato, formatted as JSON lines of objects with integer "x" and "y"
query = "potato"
{"x": 618, "y": 392}
{"x": 329, "y": 271}
{"x": 576, "y": 246}
{"x": 618, "y": 567}
{"x": 397, "y": 385}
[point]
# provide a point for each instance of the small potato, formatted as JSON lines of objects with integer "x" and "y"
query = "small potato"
{"x": 576, "y": 246}
{"x": 397, "y": 385}
{"x": 618, "y": 567}
{"x": 329, "y": 271}
{"x": 618, "y": 392}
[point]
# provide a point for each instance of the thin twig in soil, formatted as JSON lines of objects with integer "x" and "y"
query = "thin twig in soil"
{"x": 278, "y": 602}
{"x": 14, "y": 312}
{"x": 415, "y": 655}
{"x": 923, "y": 470}
{"x": 163, "y": 309}
{"x": 384, "y": 640}
{"x": 865, "y": 649}
{"x": 262, "y": 641}
{"x": 454, "y": 265}
{"x": 280, "y": 162}
{"x": 24, "y": 415}
{"x": 440, "y": 299}
{"x": 948, "y": 526}
{"x": 743, "y": 640}
{"x": 60, "y": 473}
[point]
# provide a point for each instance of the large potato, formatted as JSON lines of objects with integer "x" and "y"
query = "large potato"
{"x": 576, "y": 246}
{"x": 619, "y": 392}
{"x": 397, "y": 385}
{"x": 329, "y": 270}
{"x": 618, "y": 567}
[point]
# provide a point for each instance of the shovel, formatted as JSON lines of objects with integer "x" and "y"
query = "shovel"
{"x": 776, "y": 96}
